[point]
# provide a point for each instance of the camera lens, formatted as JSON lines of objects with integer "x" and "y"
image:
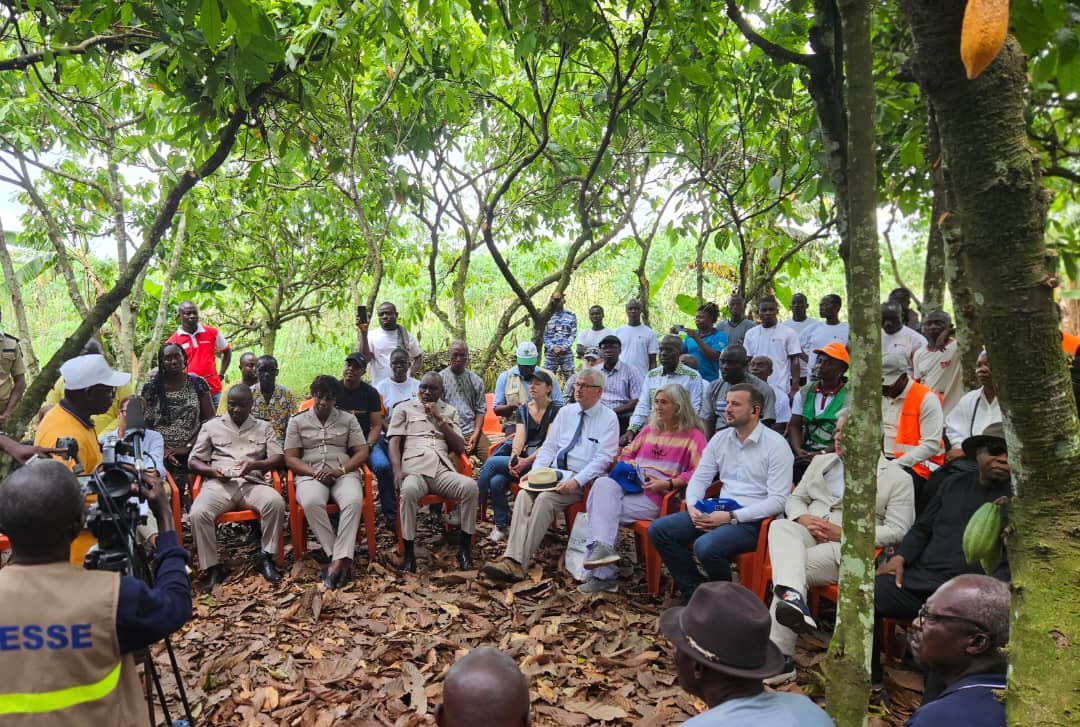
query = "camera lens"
{"x": 117, "y": 483}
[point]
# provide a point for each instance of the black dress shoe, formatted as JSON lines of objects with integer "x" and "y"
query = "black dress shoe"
{"x": 407, "y": 564}
{"x": 328, "y": 579}
{"x": 464, "y": 560}
{"x": 343, "y": 576}
{"x": 264, "y": 566}
{"x": 215, "y": 576}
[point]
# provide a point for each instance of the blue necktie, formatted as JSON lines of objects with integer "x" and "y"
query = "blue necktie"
{"x": 560, "y": 459}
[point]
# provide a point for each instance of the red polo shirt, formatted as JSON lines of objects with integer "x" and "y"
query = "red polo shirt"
{"x": 202, "y": 348}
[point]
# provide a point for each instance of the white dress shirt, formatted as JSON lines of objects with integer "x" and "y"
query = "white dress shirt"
{"x": 971, "y": 415}
{"x": 595, "y": 450}
{"x": 757, "y": 473}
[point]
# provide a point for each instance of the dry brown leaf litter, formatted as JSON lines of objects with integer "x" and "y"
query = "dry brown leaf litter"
{"x": 375, "y": 652}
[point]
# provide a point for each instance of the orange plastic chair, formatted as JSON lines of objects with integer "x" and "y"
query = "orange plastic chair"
{"x": 464, "y": 466}
{"x": 297, "y": 521}
{"x": 492, "y": 425}
{"x": 174, "y": 500}
{"x": 239, "y": 516}
{"x": 646, "y": 552}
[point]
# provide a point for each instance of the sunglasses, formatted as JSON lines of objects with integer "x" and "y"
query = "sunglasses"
{"x": 926, "y": 616}
{"x": 996, "y": 449}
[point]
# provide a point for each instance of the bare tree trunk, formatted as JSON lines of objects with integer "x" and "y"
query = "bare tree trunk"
{"x": 144, "y": 363}
{"x": 933, "y": 296}
{"x": 969, "y": 341}
{"x": 847, "y": 666}
{"x": 995, "y": 176}
{"x": 12, "y": 283}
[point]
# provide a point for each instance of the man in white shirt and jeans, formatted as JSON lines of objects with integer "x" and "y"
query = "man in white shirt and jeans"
{"x": 754, "y": 463}
{"x": 377, "y": 345}
{"x": 581, "y": 444}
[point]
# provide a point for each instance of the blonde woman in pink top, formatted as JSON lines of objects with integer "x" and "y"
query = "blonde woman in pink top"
{"x": 665, "y": 453}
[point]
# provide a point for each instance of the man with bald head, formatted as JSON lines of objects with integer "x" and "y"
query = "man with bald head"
{"x": 961, "y": 633}
{"x": 424, "y": 434}
{"x": 484, "y": 687}
{"x": 65, "y": 631}
{"x": 234, "y": 454}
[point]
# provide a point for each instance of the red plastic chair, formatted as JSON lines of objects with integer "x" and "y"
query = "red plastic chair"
{"x": 297, "y": 522}
{"x": 645, "y": 549}
{"x": 239, "y": 516}
{"x": 5, "y": 544}
{"x": 464, "y": 466}
{"x": 174, "y": 501}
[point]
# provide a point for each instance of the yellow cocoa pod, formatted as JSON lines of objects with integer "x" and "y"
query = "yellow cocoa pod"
{"x": 986, "y": 23}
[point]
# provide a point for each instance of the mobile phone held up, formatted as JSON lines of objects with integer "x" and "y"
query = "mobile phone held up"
{"x": 361, "y": 313}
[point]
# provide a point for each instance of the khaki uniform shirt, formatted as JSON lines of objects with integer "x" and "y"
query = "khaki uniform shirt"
{"x": 11, "y": 366}
{"x": 324, "y": 443}
{"x": 423, "y": 451}
{"x": 223, "y": 445}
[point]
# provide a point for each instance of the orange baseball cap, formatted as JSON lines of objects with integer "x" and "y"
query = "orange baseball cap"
{"x": 835, "y": 350}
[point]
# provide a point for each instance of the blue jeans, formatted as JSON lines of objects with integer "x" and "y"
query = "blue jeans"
{"x": 379, "y": 464}
{"x": 216, "y": 399}
{"x": 672, "y": 536}
{"x": 493, "y": 483}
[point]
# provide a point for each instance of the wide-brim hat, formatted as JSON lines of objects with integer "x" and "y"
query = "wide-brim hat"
{"x": 540, "y": 479}
{"x": 993, "y": 433}
{"x": 726, "y": 628}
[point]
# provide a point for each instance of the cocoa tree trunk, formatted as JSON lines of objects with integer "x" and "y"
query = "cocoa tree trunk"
{"x": 998, "y": 192}
{"x": 147, "y": 357}
{"x": 933, "y": 297}
{"x": 847, "y": 666}
{"x": 12, "y": 283}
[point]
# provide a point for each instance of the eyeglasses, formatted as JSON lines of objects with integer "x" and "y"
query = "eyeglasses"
{"x": 928, "y": 617}
{"x": 581, "y": 385}
{"x": 996, "y": 449}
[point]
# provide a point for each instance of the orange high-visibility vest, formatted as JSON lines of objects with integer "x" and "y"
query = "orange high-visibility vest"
{"x": 907, "y": 428}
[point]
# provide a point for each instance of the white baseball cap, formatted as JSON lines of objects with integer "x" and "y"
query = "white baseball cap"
{"x": 82, "y": 372}
{"x": 526, "y": 353}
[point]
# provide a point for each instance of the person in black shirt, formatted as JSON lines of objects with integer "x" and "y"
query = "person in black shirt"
{"x": 366, "y": 404}
{"x": 931, "y": 553}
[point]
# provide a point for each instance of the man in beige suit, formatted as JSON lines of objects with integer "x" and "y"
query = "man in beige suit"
{"x": 805, "y": 548}
{"x": 423, "y": 432}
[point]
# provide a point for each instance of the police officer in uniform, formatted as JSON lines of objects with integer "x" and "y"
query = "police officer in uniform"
{"x": 422, "y": 434}
{"x": 66, "y": 634}
{"x": 12, "y": 376}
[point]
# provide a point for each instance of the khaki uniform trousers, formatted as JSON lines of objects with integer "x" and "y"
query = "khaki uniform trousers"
{"x": 799, "y": 562}
{"x": 532, "y": 518}
{"x": 447, "y": 483}
{"x": 348, "y": 492}
{"x": 219, "y": 496}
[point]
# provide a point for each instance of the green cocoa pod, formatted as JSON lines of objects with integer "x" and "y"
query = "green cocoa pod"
{"x": 982, "y": 536}
{"x": 991, "y": 562}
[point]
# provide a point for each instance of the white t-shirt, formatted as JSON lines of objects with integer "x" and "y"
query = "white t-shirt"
{"x": 590, "y": 337}
{"x": 637, "y": 343}
{"x": 382, "y": 343}
{"x": 905, "y": 341}
{"x": 778, "y": 343}
{"x": 394, "y": 393}
{"x": 823, "y": 334}
{"x": 803, "y": 330}
{"x": 940, "y": 370}
{"x": 783, "y": 408}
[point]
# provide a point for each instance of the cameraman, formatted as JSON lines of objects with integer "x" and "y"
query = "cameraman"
{"x": 67, "y": 634}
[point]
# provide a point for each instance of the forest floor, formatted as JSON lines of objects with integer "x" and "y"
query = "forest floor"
{"x": 376, "y": 651}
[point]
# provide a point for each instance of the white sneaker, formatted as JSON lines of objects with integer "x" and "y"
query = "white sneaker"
{"x": 496, "y": 535}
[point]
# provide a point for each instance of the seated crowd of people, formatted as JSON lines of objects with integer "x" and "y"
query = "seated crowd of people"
{"x": 739, "y": 423}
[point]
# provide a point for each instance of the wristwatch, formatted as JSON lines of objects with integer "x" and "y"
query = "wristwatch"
{"x": 734, "y": 518}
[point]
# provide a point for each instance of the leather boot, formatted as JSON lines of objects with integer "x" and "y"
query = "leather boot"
{"x": 408, "y": 561}
{"x": 464, "y": 554}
